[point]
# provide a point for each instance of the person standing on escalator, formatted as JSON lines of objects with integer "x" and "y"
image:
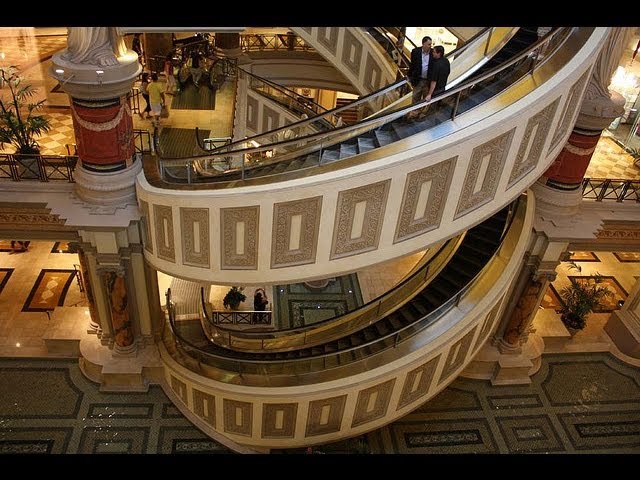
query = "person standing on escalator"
{"x": 419, "y": 69}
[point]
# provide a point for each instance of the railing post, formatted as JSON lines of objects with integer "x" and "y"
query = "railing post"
{"x": 454, "y": 111}
{"x": 189, "y": 171}
{"x": 623, "y": 191}
{"x": 486, "y": 47}
{"x": 603, "y": 190}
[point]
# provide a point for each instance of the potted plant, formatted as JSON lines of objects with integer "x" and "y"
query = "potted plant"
{"x": 234, "y": 297}
{"x": 579, "y": 299}
{"x": 18, "y": 124}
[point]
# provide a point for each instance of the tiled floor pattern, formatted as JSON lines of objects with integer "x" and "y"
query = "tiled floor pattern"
{"x": 21, "y": 332}
{"x": 27, "y": 50}
{"x": 298, "y": 304}
{"x": 50, "y": 407}
{"x": 611, "y": 161}
{"x": 620, "y": 276}
{"x": 60, "y": 135}
{"x": 587, "y": 403}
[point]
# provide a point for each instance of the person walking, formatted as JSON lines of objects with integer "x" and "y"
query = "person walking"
{"x": 144, "y": 84}
{"x": 156, "y": 98}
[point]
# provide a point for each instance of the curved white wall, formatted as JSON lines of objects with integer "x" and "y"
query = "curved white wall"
{"x": 341, "y": 221}
{"x": 271, "y": 417}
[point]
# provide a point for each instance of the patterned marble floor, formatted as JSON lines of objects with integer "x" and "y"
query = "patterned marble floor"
{"x": 587, "y": 403}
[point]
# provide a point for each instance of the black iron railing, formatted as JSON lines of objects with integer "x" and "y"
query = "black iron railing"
{"x": 600, "y": 189}
{"x": 46, "y": 168}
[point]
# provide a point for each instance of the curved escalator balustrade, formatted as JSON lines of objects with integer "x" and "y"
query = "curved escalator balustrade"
{"x": 295, "y": 402}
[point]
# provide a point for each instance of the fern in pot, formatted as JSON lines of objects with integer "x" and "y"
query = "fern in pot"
{"x": 579, "y": 299}
{"x": 19, "y": 124}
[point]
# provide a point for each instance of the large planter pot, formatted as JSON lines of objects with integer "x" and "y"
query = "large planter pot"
{"x": 572, "y": 323}
{"x": 27, "y": 166}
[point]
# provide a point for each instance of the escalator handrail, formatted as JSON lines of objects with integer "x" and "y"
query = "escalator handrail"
{"x": 377, "y": 120}
{"x": 289, "y": 332}
{"x": 355, "y": 103}
{"x": 417, "y": 325}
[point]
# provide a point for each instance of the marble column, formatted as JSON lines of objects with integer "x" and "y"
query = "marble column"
{"x": 119, "y": 307}
{"x": 97, "y": 71}
{"x": 94, "y": 320}
{"x": 558, "y": 191}
{"x": 518, "y": 326}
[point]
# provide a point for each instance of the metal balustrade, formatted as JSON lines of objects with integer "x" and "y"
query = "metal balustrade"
{"x": 600, "y": 189}
{"x": 46, "y": 168}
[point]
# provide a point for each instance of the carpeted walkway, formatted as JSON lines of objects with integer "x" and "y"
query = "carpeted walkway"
{"x": 180, "y": 142}
{"x": 195, "y": 98}
{"x": 577, "y": 403}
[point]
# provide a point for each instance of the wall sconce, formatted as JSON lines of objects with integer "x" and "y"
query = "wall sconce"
{"x": 60, "y": 76}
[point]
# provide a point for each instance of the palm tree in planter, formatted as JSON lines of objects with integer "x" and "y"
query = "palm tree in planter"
{"x": 18, "y": 124}
{"x": 580, "y": 298}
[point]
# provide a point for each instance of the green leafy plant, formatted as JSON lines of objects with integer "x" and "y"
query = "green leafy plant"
{"x": 580, "y": 298}
{"x": 635, "y": 153}
{"x": 234, "y": 297}
{"x": 18, "y": 124}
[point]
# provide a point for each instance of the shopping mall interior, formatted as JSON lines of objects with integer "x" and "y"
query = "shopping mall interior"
{"x": 408, "y": 274}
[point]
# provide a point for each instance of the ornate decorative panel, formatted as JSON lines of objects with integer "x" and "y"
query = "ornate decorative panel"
{"x": 438, "y": 179}
{"x": 375, "y": 198}
{"x": 233, "y": 258}
{"x": 279, "y": 420}
{"x": 325, "y": 416}
{"x": 308, "y": 212}
{"x": 189, "y": 218}
{"x": 532, "y": 148}
{"x": 496, "y": 150}
{"x": 164, "y": 221}
{"x": 373, "y": 403}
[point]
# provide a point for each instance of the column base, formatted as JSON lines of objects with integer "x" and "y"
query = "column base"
{"x": 129, "y": 351}
{"x": 120, "y": 373}
{"x": 507, "y": 368}
{"x": 113, "y": 188}
{"x": 552, "y": 203}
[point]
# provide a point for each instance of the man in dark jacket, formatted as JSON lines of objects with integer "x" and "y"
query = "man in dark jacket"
{"x": 438, "y": 73}
{"x": 419, "y": 69}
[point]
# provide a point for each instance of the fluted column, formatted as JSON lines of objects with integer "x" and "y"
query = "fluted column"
{"x": 558, "y": 191}
{"x": 97, "y": 72}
